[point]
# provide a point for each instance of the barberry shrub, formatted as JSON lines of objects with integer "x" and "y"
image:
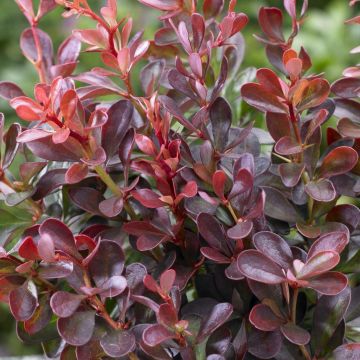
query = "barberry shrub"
{"x": 159, "y": 222}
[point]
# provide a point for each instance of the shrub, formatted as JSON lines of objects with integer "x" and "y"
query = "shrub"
{"x": 161, "y": 222}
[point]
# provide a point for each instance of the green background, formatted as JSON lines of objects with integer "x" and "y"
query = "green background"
{"x": 324, "y": 35}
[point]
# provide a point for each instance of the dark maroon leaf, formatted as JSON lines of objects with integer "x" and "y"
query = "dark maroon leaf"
{"x": 87, "y": 198}
{"x": 23, "y": 301}
{"x": 11, "y": 145}
{"x": 256, "y": 266}
{"x": 40, "y": 318}
{"x": 291, "y": 173}
{"x": 335, "y": 241}
{"x": 263, "y": 318}
{"x": 64, "y": 304}
{"x": 60, "y": 235}
{"x": 119, "y": 119}
{"x": 275, "y": 247}
{"x": 330, "y": 283}
{"x": 263, "y": 100}
{"x": 287, "y": 145}
{"x": 264, "y": 344}
{"x": 219, "y": 314}
{"x": 329, "y": 311}
{"x": 220, "y": 118}
{"x": 156, "y": 334}
{"x": 57, "y": 270}
{"x": 77, "y": 329}
{"x": 107, "y": 262}
{"x": 338, "y": 161}
{"x": 295, "y": 334}
{"x": 240, "y": 230}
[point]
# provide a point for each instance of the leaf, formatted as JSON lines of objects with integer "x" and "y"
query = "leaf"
{"x": 321, "y": 190}
{"x": 77, "y": 329}
{"x": 319, "y": 263}
{"x": 314, "y": 93}
{"x": 263, "y": 318}
{"x": 64, "y": 304}
{"x": 219, "y": 314}
{"x": 156, "y": 334}
{"x": 330, "y": 283}
{"x": 107, "y": 262}
{"x": 220, "y": 118}
{"x": 148, "y": 198}
{"x": 329, "y": 312}
{"x": 87, "y": 198}
{"x": 211, "y": 230}
{"x": 347, "y": 214}
{"x": 295, "y": 334}
{"x": 214, "y": 255}
{"x": 256, "y": 266}
{"x": 264, "y": 344}
{"x": 57, "y": 270}
{"x": 270, "y": 20}
{"x": 164, "y": 5}
{"x": 11, "y": 145}
{"x": 346, "y": 87}
{"x": 348, "y": 128}
{"x": 287, "y": 145}
{"x": 9, "y": 90}
{"x": 275, "y": 247}
{"x": 45, "y": 7}
{"x": 23, "y": 302}
{"x": 291, "y": 173}
{"x": 347, "y": 352}
{"x": 112, "y": 207}
{"x": 278, "y": 207}
{"x": 119, "y": 119}
{"x": 41, "y": 317}
{"x": 338, "y": 161}
{"x": 334, "y": 241}
{"x": 113, "y": 287}
{"x": 240, "y": 230}
{"x": 76, "y": 173}
{"x": 263, "y": 100}
{"x": 60, "y": 235}
{"x": 118, "y": 343}
{"x": 150, "y": 76}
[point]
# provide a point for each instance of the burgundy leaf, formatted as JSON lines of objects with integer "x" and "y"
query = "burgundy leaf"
{"x": 321, "y": 190}
{"x": 263, "y": 318}
{"x": 156, "y": 334}
{"x": 330, "y": 283}
{"x": 334, "y": 241}
{"x": 23, "y": 302}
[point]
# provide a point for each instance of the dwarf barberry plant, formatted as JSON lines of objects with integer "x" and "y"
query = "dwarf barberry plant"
{"x": 159, "y": 222}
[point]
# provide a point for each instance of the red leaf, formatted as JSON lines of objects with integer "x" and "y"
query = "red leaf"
{"x": 270, "y": 20}
{"x": 76, "y": 173}
{"x": 168, "y": 315}
{"x": 338, "y": 161}
{"x": 330, "y": 283}
{"x": 148, "y": 198}
{"x": 318, "y": 264}
{"x": 256, "y": 96}
{"x": 167, "y": 280}
{"x": 28, "y": 249}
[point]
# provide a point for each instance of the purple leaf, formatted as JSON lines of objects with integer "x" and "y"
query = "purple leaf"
{"x": 118, "y": 343}
{"x": 321, "y": 190}
{"x": 9, "y": 90}
{"x": 60, "y": 235}
{"x": 335, "y": 241}
{"x": 23, "y": 302}
{"x": 77, "y": 329}
{"x": 330, "y": 283}
{"x": 274, "y": 247}
{"x": 256, "y": 266}
{"x": 64, "y": 304}
{"x": 156, "y": 334}
{"x": 240, "y": 230}
{"x": 107, "y": 262}
{"x": 220, "y": 118}
{"x": 295, "y": 334}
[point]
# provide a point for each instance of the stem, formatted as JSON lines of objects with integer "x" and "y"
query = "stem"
{"x": 106, "y": 178}
{"x": 294, "y": 305}
{"x": 302, "y": 348}
{"x": 39, "y": 65}
{"x": 232, "y": 211}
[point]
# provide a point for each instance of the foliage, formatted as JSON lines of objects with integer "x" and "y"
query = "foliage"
{"x": 160, "y": 222}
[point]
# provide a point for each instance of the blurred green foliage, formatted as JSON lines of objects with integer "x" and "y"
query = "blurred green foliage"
{"x": 324, "y": 35}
